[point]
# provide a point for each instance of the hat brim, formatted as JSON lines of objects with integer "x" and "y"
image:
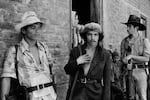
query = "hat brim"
{"x": 23, "y": 24}
{"x": 141, "y": 26}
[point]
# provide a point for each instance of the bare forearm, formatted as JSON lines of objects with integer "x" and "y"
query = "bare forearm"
{"x": 5, "y": 87}
{"x": 140, "y": 59}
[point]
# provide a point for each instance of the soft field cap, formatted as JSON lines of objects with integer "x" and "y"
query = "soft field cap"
{"x": 28, "y": 18}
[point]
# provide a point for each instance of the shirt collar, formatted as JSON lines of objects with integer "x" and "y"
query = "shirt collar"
{"x": 25, "y": 46}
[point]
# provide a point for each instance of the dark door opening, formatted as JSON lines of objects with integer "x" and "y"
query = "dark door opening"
{"x": 82, "y": 7}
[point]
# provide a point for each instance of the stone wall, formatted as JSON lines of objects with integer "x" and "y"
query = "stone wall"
{"x": 55, "y": 13}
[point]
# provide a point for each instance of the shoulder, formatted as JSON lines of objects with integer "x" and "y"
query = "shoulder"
{"x": 145, "y": 41}
{"x": 44, "y": 44}
{"x": 77, "y": 51}
{"x": 124, "y": 39}
{"x": 106, "y": 52}
{"x": 11, "y": 49}
{"x": 147, "y": 44}
{"x": 74, "y": 50}
{"x": 10, "y": 52}
{"x": 105, "y": 56}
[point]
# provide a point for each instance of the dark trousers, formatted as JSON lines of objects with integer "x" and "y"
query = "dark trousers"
{"x": 116, "y": 92}
{"x": 148, "y": 87}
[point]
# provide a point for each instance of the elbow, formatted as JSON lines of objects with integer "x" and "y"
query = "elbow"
{"x": 66, "y": 69}
{"x": 147, "y": 59}
{"x": 5, "y": 86}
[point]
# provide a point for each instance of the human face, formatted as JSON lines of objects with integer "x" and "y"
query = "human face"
{"x": 130, "y": 29}
{"x": 116, "y": 58}
{"x": 92, "y": 38}
{"x": 32, "y": 31}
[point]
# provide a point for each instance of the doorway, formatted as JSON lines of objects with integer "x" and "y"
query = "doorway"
{"x": 88, "y": 10}
{"x": 82, "y": 9}
{"x": 83, "y": 12}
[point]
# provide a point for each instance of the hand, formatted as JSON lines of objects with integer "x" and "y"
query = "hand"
{"x": 127, "y": 58}
{"x": 83, "y": 59}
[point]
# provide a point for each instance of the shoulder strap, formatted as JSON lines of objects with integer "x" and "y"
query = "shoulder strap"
{"x": 75, "y": 78}
{"x": 50, "y": 65}
{"x": 44, "y": 49}
{"x": 16, "y": 62}
{"x": 80, "y": 51}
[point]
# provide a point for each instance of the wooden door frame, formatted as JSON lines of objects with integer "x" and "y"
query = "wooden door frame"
{"x": 70, "y": 11}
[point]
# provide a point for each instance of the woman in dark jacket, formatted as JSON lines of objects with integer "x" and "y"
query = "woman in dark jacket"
{"x": 93, "y": 65}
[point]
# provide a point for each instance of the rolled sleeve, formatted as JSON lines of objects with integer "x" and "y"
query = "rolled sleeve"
{"x": 9, "y": 64}
{"x": 146, "y": 47}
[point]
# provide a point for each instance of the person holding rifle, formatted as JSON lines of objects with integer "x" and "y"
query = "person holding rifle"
{"x": 135, "y": 49}
{"x": 90, "y": 66}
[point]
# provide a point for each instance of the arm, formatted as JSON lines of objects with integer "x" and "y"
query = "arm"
{"x": 76, "y": 61}
{"x": 5, "y": 87}
{"x": 146, "y": 53}
{"x": 8, "y": 72}
{"x": 140, "y": 59}
{"x": 107, "y": 79}
{"x": 71, "y": 66}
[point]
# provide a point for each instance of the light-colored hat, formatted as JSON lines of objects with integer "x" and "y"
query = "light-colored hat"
{"x": 28, "y": 18}
{"x": 92, "y": 27}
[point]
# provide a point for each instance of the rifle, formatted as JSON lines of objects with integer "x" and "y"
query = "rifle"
{"x": 148, "y": 79}
{"x": 129, "y": 81}
{"x": 75, "y": 78}
{"x": 53, "y": 77}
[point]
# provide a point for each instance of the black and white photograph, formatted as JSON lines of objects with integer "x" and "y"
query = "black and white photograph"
{"x": 74, "y": 49}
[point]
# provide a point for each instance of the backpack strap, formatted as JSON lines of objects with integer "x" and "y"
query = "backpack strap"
{"x": 50, "y": 69}
{"x": 16, "y": 62}
{"x": 50, "y": 65}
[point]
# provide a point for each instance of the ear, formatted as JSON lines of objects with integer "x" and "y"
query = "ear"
{"x": 136, "y": 27}
{"x": 23, "y": 31}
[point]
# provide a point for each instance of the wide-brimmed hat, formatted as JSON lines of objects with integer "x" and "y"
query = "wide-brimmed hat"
{"x": 134, "y": 20}
{"x": 28, "y": 18}
{"x": 92, "y": 27}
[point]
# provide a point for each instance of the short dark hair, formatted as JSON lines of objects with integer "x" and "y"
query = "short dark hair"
{"x": 134, "y": 25}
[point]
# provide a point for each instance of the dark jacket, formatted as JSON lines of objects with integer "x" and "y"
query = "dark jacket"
{"x": 100, "y": 69}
